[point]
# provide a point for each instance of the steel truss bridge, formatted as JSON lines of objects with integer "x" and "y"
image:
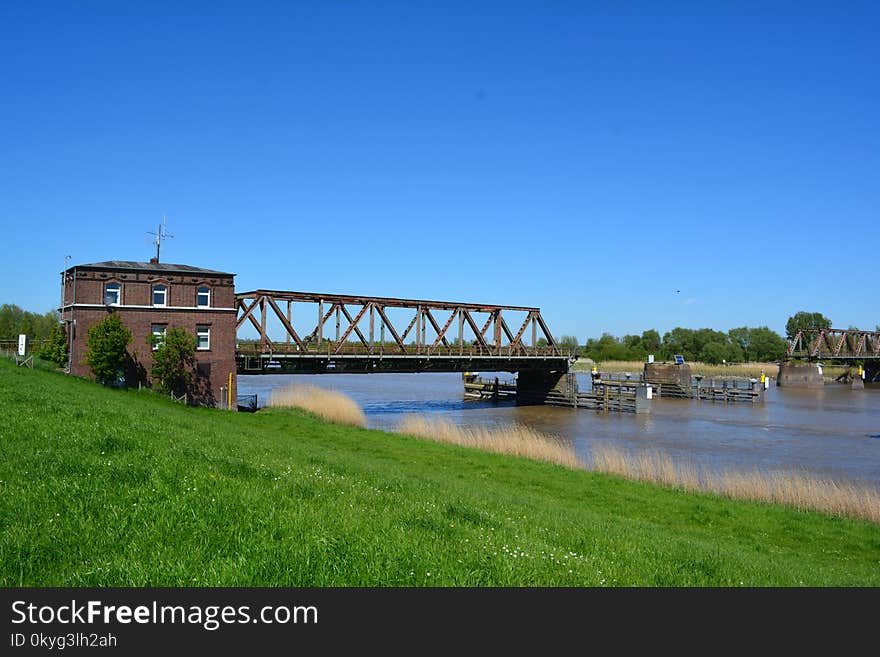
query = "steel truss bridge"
{"x": 820, "y": 343}
{"x": 376, "y": 334}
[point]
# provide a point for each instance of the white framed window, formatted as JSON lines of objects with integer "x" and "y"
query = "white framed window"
{"x": 158, "y": 333}
{"x": 112, "y": 294}
{"x": 203, "y": 337}
{"x": 160, "y": 295}
{"x": 203, "y": 297}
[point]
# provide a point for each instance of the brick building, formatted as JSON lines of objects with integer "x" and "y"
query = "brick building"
{"x": 151, "y": 297}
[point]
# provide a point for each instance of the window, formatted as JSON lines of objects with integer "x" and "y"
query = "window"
{"x": 203, "y": 337}
{"x": 203, "y": 297}
{"x": 158, "y": 332}
{"x": 160, "y": 293}
{"x": 112, "y": 294}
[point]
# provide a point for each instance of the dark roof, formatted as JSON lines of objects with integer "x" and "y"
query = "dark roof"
{"x": 166, "y": 267}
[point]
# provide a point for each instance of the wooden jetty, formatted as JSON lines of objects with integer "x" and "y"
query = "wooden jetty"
{"x": 476, "y": 387}
{"x": 612, "y": 398}
{"x": 751, "y": 391}
{"x": 620, "y": 393}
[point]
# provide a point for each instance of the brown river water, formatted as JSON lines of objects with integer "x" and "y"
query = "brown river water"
{"x": 832, "y": 432}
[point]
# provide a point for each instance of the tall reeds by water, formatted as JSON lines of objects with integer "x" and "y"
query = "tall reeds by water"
{"x": 800, "y": 490}
{"x": 516, "y": 439}
{"x": 330, "y": 405}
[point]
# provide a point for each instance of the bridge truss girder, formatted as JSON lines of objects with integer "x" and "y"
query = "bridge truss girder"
{"x": 370, "y": 314}
{"x": 845, "y": 344}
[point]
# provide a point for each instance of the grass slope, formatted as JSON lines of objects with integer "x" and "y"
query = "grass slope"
{"x": 109, "y": 488}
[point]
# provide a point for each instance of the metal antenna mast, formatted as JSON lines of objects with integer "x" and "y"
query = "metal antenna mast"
{"x": 160, "y": 235}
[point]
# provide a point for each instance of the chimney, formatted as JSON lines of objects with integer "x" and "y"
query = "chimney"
{"x": 154, "y": 260}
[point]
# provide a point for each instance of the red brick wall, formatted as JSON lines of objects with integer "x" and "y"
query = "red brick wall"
{"x": 137, "y": 290}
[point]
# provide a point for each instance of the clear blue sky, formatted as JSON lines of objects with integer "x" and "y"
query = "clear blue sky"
{"x": 589, "y": 158}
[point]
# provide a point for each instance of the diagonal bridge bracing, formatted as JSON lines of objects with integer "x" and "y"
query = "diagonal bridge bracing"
{"x": 388, "y": 334}
{"x": 850, "y": 344}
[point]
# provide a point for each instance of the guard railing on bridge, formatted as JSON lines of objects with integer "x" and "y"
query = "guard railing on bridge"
{"x": 331, "y": 349}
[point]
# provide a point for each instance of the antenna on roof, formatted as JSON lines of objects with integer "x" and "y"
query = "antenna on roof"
{"x": 160, "y": 235}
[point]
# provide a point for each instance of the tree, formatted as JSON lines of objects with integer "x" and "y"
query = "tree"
{"x": 758, "y": 344}
{"x": 713, "y": 353}
{"x": 55, "y": 348}
{"x": 174, "y": 361}
{"x": 804, "y": 320}
{"x": 107, "y": 352}
{"x": 568, "y": 343}
{"x": 651, "y": 341}
{"x": 680, "y": 341}
{"x": 741, "y": 336}
{"x": 14, "y": 321}
{"x": 767, "y": 345}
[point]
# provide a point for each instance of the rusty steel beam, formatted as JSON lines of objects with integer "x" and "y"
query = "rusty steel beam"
{"x": 389, "y": 302}
{"x": 442, "y": 332}
{"x": 247, "y": 310}
{"x": 834, "y": 344}
{"x": 510, "y": 341}
{"x": 291, "y": 333}
{"x": 409, "y": 326}
{"x": 547, "y": 335}
{"x": 423, "y": 320}
{"x": 390, "y": 326}
{"x": 314, "y": 334}
{"x": 522, "y": 329}
{"x": 263, "y": 336}
{"x": 352, "y": 326}
{"x": 479, "y": 335}
{"x": 437, "y": 330}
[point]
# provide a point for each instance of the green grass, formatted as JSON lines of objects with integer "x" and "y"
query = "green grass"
{"x": 102, "y": 487}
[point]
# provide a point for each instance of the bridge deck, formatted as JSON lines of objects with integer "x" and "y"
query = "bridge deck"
{"x": 252, "y": 361}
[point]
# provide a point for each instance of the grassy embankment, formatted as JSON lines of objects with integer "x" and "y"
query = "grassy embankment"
{"x": 103, "y": 487}
{"x": 737, "y": 370}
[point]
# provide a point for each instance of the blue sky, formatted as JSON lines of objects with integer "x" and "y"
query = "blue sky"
{"x": 623, "y": 166}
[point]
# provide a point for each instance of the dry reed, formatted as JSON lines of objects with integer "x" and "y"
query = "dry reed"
{"x": 328, "y": 404}
{"x": 516, "y": 439}
{"x": 800, "y": 490}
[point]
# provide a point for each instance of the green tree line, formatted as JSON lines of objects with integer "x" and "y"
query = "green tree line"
{"x": 14, "y": 321}
{"x": 742, "y": 344}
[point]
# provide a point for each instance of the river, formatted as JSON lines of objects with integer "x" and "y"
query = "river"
{"x": 833, "y": 432}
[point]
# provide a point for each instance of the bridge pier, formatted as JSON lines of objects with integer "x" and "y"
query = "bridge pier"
{"x": 672, "y": 379}
{"x": 541, "y": 387}
{"x": 857, "y": 382}
{"x": 872, "y": 371}
{"x": 793, "y": 374}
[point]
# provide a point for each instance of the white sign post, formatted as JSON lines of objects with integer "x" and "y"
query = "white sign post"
{"x": 22, "y": 344}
